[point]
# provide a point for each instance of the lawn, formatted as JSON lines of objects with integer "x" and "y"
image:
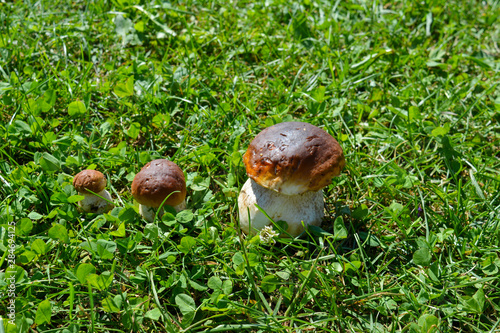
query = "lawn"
{"x": 410, "y": 241}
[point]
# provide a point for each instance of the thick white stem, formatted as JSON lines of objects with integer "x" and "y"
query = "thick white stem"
{"x": 149, "y": 213}
{"x": 97, "y": 204}
{"x": 293, "y": 209}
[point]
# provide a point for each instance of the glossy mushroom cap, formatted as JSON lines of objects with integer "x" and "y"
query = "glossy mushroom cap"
{"x": 89, "y": 180}
{"x": 157, "y": 180}
{"x": 293, "y": 158}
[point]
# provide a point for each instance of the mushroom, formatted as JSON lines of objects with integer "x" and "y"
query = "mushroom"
{"x": 288, "y": 165}
{"x": 159, "y": 182}
{"x": 91, "y": 184}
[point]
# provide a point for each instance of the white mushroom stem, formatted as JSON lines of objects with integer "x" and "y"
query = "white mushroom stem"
{"x": 96, "y": 203}
{"x": 293, "y": 209}
{"x": 149, "y": 213}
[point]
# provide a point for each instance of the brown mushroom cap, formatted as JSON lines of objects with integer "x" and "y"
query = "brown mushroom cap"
{"x": 293, "y": 157}
{"x": 89, "y": 180}
{"x": 157, "y": 180}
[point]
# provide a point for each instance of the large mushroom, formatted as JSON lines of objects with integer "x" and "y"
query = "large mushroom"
{"x": 160, "y": 182}
{"x": 91, "y": 184}
{"x": 288, "y": 165}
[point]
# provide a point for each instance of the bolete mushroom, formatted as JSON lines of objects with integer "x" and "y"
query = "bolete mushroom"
{"x": 159, "y": 182}
{"x": 91, "y": 184}
{"x": 288, "y": 165}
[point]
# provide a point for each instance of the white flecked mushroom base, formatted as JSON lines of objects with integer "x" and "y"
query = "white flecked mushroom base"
{"x": 96, "y": 203}
{"x": 293, "y": 209}
{"x": 149, "y": 213}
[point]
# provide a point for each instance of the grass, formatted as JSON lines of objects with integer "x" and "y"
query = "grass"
{"x": 410, "y": 241}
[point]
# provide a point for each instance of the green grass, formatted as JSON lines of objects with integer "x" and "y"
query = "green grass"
{"x": 411, "y": 90}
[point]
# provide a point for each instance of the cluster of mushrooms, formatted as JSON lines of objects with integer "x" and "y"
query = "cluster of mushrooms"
{"x": 288, "y": 165}
{"x": 160, "y": 182}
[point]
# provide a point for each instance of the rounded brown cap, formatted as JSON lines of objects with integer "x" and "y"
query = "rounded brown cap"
{"x": 89, "y": 180}
{"x": 157, "y": 180}
{"x": 293, "y": 158}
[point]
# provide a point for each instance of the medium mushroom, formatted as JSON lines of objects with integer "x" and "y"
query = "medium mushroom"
{"x": 91, "y": 184}
{"x": 288, "y": 165}
{"x": 159, "y": 182}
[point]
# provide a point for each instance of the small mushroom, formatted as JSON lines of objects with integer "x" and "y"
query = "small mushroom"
{"x": 159, "y": 182}
{"x": 288, "y": 165}
{"x": 91, "y": 184}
